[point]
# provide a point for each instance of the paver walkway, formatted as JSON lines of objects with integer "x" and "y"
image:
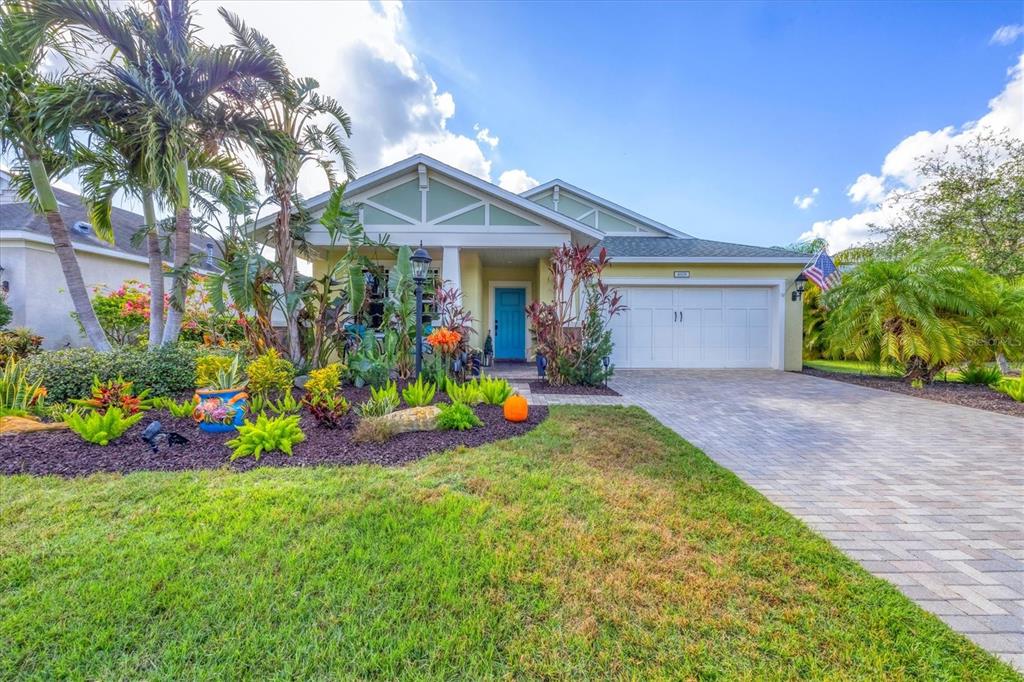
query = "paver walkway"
{"x": 927, "y": 495}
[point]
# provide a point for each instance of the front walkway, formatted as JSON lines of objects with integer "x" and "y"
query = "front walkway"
{"x": 927, "y": 495}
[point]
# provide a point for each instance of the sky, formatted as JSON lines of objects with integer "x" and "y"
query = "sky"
{"x": 759, "y": 123}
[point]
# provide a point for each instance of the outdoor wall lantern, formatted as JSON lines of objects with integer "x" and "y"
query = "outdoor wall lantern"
{"x": 798, "y": 286}
{"x": 420, "y": 262}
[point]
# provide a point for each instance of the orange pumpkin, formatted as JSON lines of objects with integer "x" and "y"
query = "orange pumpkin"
{"x": 516, "y": 409}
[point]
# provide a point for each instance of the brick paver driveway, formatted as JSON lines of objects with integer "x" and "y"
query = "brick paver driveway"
{"x": 927, "y": 495}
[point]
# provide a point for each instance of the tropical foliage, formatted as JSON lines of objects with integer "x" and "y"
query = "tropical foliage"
{"x": 101, "y": 427}
{"x": 457, "y": 416}
{"x": 574, "y": 338}
{"x": 264, "y": 435}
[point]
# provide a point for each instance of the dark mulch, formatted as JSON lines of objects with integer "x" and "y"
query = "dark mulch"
{"x": 980, "y": 397}
{"x": 65, "y": 454}
{"x": 542, "y": 386}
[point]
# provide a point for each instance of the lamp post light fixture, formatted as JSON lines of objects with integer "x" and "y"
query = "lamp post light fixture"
{"x": 798, "y": 286}
{"x": 420, "y": 261}
{"x": 606, "y": 361}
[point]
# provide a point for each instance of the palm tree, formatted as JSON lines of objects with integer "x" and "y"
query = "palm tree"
{"x": 913, "y": 312}
{"x": 297, "y": 113}
{"x": 36, "y": 119}
{"x": 184, "y": 93}
{"x": 1000, "y": 320}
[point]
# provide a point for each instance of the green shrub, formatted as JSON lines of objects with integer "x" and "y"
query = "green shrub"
{"x": 266, "y": 435}
{"x": 208, "y": 366}
{"x": 286, "y": 404}
{"x": 18, "y": 343}
{"x": 18, "y": 395}
{"x": 6, "y": 314}
{"x": 100, "y": 429}
{"x": 981, "y": 375}
{"x": 270, "y": 373}
{"x": 382, "y": 401}
{"x": 257, "y": 404}
{"x": 419, "y": 394}
{"x": 467, "y": 392}
{"x": 178, "y": 410}
{"x": 1013, "y": 388}
{"x": 326, "y": 379}
{"x": 494, "y": 390}
{"x": 68, "y": 373}
{"x": 457, "y": 417}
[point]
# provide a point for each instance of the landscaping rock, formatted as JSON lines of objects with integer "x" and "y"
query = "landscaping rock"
{"x": 11, "y": 425}
{"x": 413, "y": 419}
{"x": 300, "y": 381}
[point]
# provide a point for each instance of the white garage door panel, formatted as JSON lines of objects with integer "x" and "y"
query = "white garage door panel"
{"x": 694, "y": 327}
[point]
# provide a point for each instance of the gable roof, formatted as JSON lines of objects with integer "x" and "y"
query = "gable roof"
{"x": 604, "y": 203}
{"x": 378, "y": 177}
{"x": 670, "y": 249}
{"x": 17, "y": 214}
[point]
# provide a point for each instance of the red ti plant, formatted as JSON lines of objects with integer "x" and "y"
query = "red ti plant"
{"x": 570, "y": 331}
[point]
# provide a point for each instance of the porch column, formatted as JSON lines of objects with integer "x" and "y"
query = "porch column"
{"x": 451, "y": 269}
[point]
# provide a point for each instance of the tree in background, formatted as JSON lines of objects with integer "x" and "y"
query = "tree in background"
{"x": 37, "y": 115}
{"x": 972, "y": 201}
{"x": 310, "y": 128}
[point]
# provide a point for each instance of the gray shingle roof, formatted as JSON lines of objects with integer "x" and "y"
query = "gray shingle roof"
{"x": 18, "y": 215}
{"x": 675, "y": 247}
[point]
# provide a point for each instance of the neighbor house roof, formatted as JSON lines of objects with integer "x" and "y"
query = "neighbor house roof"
{"x": 17, "y": 214}
{"x": 669, "y": 249}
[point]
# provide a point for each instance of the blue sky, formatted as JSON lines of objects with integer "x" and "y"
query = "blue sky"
{"x": 719, "y": 119}
{"x": 713, "y": 117}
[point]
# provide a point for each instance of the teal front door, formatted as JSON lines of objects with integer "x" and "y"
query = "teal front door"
{"x": 510, "y": 324}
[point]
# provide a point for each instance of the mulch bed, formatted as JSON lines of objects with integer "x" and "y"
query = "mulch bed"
{"x": 65, "y": 454}
{"x": 967, "y": 395}
{"x": 542, "y": 386}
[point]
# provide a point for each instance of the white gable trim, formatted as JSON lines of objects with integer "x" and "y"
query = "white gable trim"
{"x": 413, "y": 163}
{"x": 604, "y": 203}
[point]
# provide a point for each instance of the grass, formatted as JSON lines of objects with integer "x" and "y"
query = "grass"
{"x": 599, "y": 545}
{"x": 852, "y": 367}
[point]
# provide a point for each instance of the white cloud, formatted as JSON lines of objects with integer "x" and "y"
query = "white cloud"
{"x": 899, "y": 168}
{"x": 484, "y": 135}
{"x": 804, "y": 203}
{"x": 516, "y": 180}
{"x": 867, "y": 187}
{"x": 360, "y": 54}
{"x": 1005, "y": 35}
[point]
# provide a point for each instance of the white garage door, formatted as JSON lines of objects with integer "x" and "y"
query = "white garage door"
{"x": 694, "y": 327}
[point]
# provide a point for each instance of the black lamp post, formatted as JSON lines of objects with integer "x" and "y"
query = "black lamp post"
{"x": 420, "y": 261}
{"x": 798, "y": 286}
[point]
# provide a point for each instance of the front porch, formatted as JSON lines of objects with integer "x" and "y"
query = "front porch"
{"x": 496, "y": 286}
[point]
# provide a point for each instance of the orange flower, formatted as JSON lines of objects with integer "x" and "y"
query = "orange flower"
{"x": 444, "y": 339}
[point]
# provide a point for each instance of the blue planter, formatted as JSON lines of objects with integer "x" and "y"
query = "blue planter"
{"x": 238, "y": 399}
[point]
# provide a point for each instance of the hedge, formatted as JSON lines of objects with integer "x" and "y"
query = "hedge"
{"x": 68, "y": 373}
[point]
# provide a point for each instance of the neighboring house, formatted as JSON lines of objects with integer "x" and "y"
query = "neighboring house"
{"x": 36, "y": 290}
{"x": 691, "y": 302}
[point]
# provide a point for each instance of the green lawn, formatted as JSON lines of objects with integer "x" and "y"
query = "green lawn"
{"x": 852, "y": 367}
{"x": 600, "y": 545}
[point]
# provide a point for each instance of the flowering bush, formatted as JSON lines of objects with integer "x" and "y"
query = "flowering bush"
{"x": 124, "y": 313}
{"x": 444, "y": 340}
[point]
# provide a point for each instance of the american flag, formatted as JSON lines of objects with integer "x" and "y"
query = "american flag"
{"x": 823, "y": 271}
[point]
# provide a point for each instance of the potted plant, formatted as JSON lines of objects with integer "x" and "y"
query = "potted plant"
{"x": 220, "y": 407}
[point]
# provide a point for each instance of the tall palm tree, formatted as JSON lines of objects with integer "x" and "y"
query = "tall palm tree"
{"x": 312, "y": 129}
{"x": 36, "y": 119}
{"x": 185, "y": 95}
{"x": 913, "y": 311}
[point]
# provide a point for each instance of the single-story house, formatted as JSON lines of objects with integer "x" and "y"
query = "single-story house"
{"x": 31, "y": 273}
{"x": 692, "y": 302}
